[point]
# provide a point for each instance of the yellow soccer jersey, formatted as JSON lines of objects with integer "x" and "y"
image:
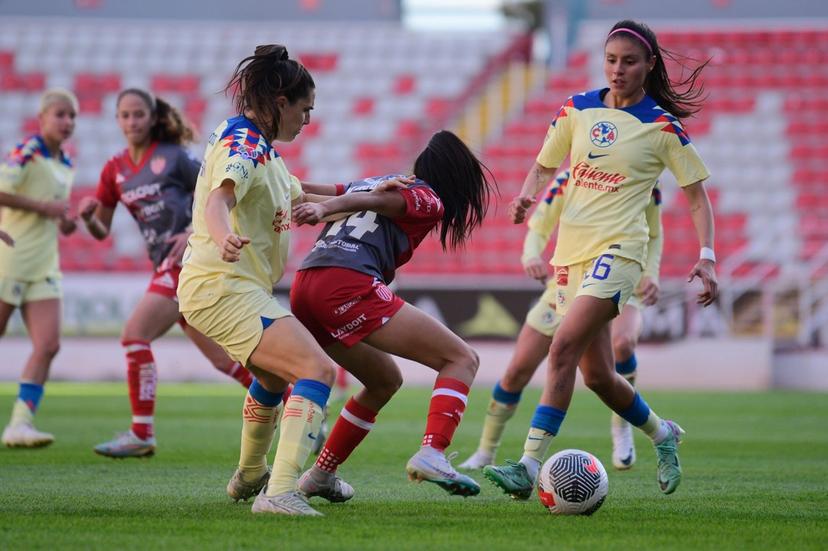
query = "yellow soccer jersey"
{"x": 264, "y": 190}
{"x": 616, "y": 156}
{"x": 29, "y": 170}
{"x": 547, "y": 215}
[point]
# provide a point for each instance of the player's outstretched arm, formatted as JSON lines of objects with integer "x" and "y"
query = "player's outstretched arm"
{"x": 537, "y": 177}
{"x": 46, "y": 209}
{"x": 217, "y": 216}
{"x": 705, "y": 269}
{"x": 328, "y": 190}
{"x": 388, "y": 203}
{"x": 96, "y": 217}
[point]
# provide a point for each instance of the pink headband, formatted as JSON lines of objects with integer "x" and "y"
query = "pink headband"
{"x": 635, "y": 34}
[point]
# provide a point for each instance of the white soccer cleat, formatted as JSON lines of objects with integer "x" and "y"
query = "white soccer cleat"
{"x": 623, "y": 444}
{"x": 24, "y": 435}
{"x": 238, "y": 488}
{"x": 478, "y": 460}
{"x": 318, "y": 483}
{"x": 288, "y": 503}
{"x": 432, "y": 465}
{"x": 126, "y": 444}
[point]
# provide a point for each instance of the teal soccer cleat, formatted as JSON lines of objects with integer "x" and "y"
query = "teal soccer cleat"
{"x": 669, "y": 468}
{"x": 512, "y": 478}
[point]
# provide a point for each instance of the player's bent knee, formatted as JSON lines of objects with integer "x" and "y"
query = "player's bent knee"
{"x": 623, "y": 346}
{"x": 47, "y": 350}
{"x": 320, "y": 370}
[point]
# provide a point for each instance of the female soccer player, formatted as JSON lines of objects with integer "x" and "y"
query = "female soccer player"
{"x": 340, "y": 294}
{"x": 237, "y": 252}
{"x": 542, "y": 321}
{"x": 35, "y": 180}
{"x": 153, "y": 178}
{"x": 619, "y": 140}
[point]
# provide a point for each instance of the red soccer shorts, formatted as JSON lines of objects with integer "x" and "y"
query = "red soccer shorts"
{"x": 164, "y": 282}
{"x": 341, "y": 305}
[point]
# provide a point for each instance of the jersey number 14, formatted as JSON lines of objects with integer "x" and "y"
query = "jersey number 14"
{"x": 361, "y": 222}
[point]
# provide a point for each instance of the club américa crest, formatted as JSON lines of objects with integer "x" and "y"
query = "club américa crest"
{"x": 603, "y": 134}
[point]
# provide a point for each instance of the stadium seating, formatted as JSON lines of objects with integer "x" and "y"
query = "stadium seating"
{"x": 379, "y": 88}
{"x": 761, "y": 132}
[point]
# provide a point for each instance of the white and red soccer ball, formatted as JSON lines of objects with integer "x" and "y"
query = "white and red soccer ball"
{"x": 572, "y": 482}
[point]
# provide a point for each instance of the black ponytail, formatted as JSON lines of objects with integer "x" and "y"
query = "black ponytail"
{"x": 461, "y": 182}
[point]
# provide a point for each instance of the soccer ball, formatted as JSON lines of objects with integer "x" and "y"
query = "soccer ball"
{"x": 572, "y": 482}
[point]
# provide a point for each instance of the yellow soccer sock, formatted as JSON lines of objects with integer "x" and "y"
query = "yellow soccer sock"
{"x": 301, "y": 419}
{"x": 21, "y": 413}
{"x": 537, "y": 444}
{"x": 260, "y": 415}
{"x": 497, "y": 415}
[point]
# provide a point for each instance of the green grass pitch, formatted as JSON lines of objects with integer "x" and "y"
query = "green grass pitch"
{"x": 755, "y": 477}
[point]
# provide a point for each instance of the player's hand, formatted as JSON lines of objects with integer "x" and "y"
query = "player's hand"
{"x": 54, "y": 209}
{"x": 519, "y": 207}
{"x": 648, "y": 291}
{"x": 309, "y": 213}
{"x": 87, "y": 208}
{"x": 706, "y": 271}
{"x": 179, "y": 245}
{"x": 6, "y": 238}
{"x": 536, "y": 269}
{"x": 231, "y": 247}
{"x": 394, "y": 184}
{"x": 67, "y": 225}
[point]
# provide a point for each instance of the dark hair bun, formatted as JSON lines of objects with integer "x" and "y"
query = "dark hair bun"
{"x": 276, "y": 51}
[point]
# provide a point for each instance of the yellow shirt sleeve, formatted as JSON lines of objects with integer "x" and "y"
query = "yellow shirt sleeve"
{"x": 558, "y": 140}
{"x": 681, "y": 157}
{"x": 295, "y": 188}
{"x": 655, "y": 246}
{"x": 232, "y": 167}
{"x": 11, "y": 174}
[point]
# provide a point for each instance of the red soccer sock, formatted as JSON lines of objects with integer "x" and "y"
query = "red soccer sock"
{"x": 141, "y": 378}
{"x": 242, "y": 375}
{"x": 448, "y": 402}
{"x": 286, "y": 394}
{"x": 354, "y": 423}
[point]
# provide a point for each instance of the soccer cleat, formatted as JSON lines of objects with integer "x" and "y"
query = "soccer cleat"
{"x": 432, "y": 465}
{"x": 288, "y": 503}
{"x": 332, "y": 488}
{"x": 623, "y": 444}
{"x": 126, "y": 444}
{"x": 24, "y": 435}
{"x": 238, "y": 489}
{"x": 512, "y": 478}
{"x": 478, "y": 460}
{"x": 669, "y": 468}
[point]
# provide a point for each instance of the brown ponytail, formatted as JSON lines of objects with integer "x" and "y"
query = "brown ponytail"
{"x": 260, "y": 78}
{"x": 170, "y": 125}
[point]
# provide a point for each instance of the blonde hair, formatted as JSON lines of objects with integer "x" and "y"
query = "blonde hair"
{"x": 55, "y": 95}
